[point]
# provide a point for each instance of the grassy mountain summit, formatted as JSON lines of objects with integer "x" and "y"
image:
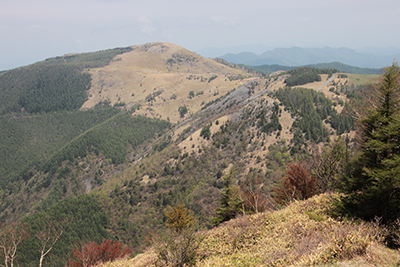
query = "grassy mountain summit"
{"x": 159, "y": 78}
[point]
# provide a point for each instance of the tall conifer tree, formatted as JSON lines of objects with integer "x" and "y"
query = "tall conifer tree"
{"x": 373, "y": 186}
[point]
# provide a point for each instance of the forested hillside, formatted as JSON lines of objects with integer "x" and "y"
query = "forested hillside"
{"x": 168, "y": 129}
{"x": 55, "y": 84}
{"x": 303, "y": 75}
{"x": 32, "y": 139}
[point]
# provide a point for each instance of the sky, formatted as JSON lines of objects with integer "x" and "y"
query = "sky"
{"x": 33, "y": 30}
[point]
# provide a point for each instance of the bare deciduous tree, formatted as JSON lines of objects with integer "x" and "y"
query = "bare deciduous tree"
{"x": 255, "y": 198}
{"x": 326, "y": 164}
{"x": 50, "y": 234}
{"x": 11, "y": 236}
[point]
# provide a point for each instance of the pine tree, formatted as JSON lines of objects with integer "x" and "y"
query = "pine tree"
{"x": 373, "y": 185}
{"x": 231, "y": 202}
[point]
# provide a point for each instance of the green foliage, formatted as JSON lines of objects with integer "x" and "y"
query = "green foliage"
{"x": 112, "y": 137}
{"x": 373, "y": 185}
{"x": 191, "y": 94}
{"x": 88, "y": 60}
{"x": 303, "y": 75}
{"x": 272, "y": 124}
{"x": 222, "y": 137}
{"x": 267, "y": 69}
{"x": 190, "y": 181}
{"x": 119, "y": 104}
{"x": 52, "y": 85}
{"x": 301, "y": 70}
{"x": 212, "y": 78}
{"x": 310, "y": 108}
{"x": 278, "y": 156}
{"x": 230, "y": 202}
{"x": 182, "y": 111}
{"x": 56, "y": 88}
{"x": 31, "y": 140}
{"x": 40, "y": 88}
{"x": 347, "y": 68}
{"x": 302, "y": 78}
{"x": 88, "y": 223}
{"x": 206, "y": 132}
{"x": 152, "y": 97}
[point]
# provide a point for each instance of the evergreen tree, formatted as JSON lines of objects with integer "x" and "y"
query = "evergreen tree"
{"x": 373, "y": 184}
{"x": 231, "y": 202}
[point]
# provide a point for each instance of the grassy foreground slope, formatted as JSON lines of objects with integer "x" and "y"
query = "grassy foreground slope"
{"x": 302, "y": 234}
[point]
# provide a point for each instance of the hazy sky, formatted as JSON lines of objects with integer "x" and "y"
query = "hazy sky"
{"x": 32, "y": 30}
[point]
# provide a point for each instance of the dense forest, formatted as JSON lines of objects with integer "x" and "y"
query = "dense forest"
{"x": 86, "y": 221}
{"x": 39, "y": 104}
{"x": 56, "y": 84}
{"x": 32, "y": 139}
{"x": 303, "y": 75}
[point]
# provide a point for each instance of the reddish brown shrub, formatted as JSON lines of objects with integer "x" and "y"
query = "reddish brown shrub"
{"x": 93, "y": 253}
{"x": 298, "y": 184}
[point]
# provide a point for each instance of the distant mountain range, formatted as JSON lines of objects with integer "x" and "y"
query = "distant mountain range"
{"x": 267, "y": 69}
{"x": 297, "y": 56}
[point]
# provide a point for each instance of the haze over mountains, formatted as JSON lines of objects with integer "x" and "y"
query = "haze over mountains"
{"x": 367, "y": 57}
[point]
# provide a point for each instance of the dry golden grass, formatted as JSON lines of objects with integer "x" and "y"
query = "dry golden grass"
{"x": 134, "y": 75}
{"x": 358, "y": 79}
{"x": 302, "y": 234}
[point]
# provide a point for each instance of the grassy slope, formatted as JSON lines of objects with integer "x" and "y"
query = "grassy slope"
{"x": 301, "y": 234}
{"x": 132, "y": 76}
